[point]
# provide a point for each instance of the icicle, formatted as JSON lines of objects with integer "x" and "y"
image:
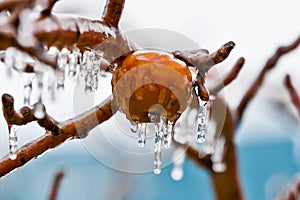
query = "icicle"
{"x": 153, "y": 117}
{"x": 74, "y": 59}
{"x": 39, "y": 110}
{"x": 142, "y": 135}
{"x": 217, "y": 156}
{"x": 9, "y": 59}
{"x": 27, "y": 81}
{"x": 89, "y": 71}
{"x": 83, "y": 63}
{"x": 157, "y": 154}
{"x": 168, "y": 136}
{"x": 90, "y": 68}
{"x": 160, "y": 129}
{"x": 62, "y": 62}
{"x": 13, "y": 142}
{"x": 134, "y": 127}
{"x": 202, "y": 123}
{"x": 178, "y": 158}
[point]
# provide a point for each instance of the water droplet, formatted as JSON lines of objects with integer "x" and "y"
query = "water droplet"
{"x": 219, "y": 167}
{"x": 142, "y": 135}
{"x": 178, "y": 158}
{"x": 177, "y": 173}
{"x": 13, "y": 142}
{"x": 218, "y": 155}
{"x": 39, "y": 110}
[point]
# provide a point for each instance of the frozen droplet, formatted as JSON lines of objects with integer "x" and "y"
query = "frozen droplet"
{"x": 178, "y": 158}
{"x": 219, "y": 167}
{"x": 39, "y": 110}
{"x": 53, "y": 52}
{"x": 217, "y": 156}
{"x": 142, "y": 135}
{"x": 13, "y": 142}
{"x": 177, "y": 173}
{"x": 157, "y": 154}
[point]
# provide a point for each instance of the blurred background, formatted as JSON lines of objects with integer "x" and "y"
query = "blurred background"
{"x": 268, "y": 138}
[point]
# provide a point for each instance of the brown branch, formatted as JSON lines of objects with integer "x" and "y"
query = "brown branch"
{"x": 202, "y": 60}
{"x": 270, "y": 64}
{"x": 77, "y": 127}
{"x": 56, "y": 185}
{"x": 47, "y": 11}
{"x": 293, "y": 93}
{"x": 113, "y": 11}
{"x": 26, "y": 115}
{"x": 226, "y": 184}
{"x": 61, "y": 31}
{"x": 193, "y": 155}
{"x": 232, "y": 75}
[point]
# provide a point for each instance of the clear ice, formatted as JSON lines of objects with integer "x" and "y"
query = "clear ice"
{"x": 13, "y": 142}
{"x": 142, "y": 135}
{"x": 202, "y": 117}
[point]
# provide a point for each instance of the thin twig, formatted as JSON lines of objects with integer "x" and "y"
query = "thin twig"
{"x": 26, "y": 115}
{"x": 56, "y": 185}
{"x": 270, "y": 64}
{"x": 113, "y": 11}
{"x": 202, "y": 60}
{"x": 293, "y": 93}
{"x": 77, "y": 127}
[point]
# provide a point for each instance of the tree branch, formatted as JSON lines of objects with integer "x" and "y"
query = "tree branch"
{"x": 270, "y": 64}
{"x": 113, "y": 11}
{"x": 26, "y": 115}
{"x": 293, "y": 93}
{"x": 56, "y": 185}
{"x": 77, "y": 127}
{"x": 202, "y": 60}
